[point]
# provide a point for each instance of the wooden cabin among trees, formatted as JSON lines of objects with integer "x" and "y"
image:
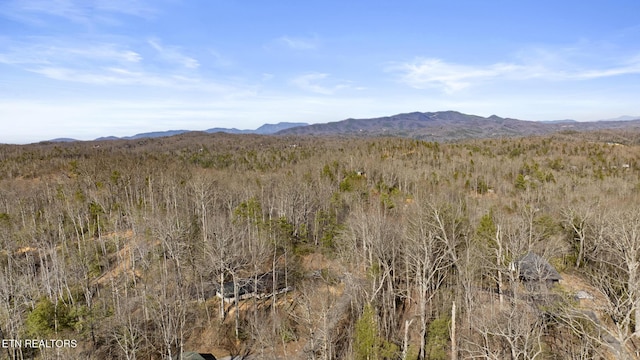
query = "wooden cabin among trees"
{"x": 191, "y": 355}
{"x": 536, "y": 272}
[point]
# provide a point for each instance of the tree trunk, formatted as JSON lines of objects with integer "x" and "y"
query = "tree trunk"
{"x": 405, "y": 341}
{"x": 454, "y": 348}
{"x": 423, "y": 320}
{"x": 235, "y": 294}
{"x": 499, "y": 262}
{"x": 222, "y": 296}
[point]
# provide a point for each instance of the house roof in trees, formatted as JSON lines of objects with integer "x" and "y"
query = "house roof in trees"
{"x": 535, "y": 268}
{"x": 190, "y": 355}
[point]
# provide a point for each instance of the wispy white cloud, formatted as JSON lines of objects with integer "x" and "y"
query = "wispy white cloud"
{"x": 86, "y": 12}
{"x": 629, "y": 67}
{"x": 173, "y": 54}
{"x": 299, "y": 43}
{"x": 101, "y": 64}
{"x": 267, "y": 76}
{"x": 139, "y": 8}
{"x": 309, "y": 82}
{"x": 51, "y": 51}
{"x": 106, "y": 52}
{"x": 219, "y": 60}
{"x": 80, "y": 63}
{"x": 105, "y": 76}
{"x": 452, "y": 77}
{"x": 318, "y": 83}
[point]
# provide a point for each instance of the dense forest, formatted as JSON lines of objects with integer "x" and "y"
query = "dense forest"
{"x": 374, "y": 248}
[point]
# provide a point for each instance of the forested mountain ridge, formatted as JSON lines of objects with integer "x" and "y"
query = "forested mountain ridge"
{"x": 120, "y": 245}
{"x": 451, "y": 126}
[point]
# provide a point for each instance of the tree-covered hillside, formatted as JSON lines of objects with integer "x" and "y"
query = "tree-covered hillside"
{"x": 355, "y": 248}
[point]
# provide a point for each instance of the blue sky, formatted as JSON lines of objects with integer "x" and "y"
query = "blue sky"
{"x": 91, "y": 68}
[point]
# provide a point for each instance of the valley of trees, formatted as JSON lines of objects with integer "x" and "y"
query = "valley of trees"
{"x": 393, "y": 248}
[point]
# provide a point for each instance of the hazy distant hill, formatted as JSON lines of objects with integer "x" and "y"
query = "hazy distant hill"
{"x": 274, "y": 128}
{"x": 565, "y": 121}
{"x": 106, "y": 138}
{"x": 156, "y": 134}
{"x": 265, "y": 129}
{"x": 623, "y": 118}
{"x": 63, "y": 140}
{"x": 228, "y": 131}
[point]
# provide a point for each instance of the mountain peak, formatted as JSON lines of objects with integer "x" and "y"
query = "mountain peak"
{"x": 274, "y": 128}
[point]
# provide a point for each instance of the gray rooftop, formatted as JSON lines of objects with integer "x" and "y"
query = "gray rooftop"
{"x": 535, "y": 268}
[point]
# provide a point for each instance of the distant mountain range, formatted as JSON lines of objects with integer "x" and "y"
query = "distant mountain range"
{"x": 623, "y": 118}
{"x": 266, "y": 129}
{"x": 452, "y": 125}
{"x": 432, "y": 126}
